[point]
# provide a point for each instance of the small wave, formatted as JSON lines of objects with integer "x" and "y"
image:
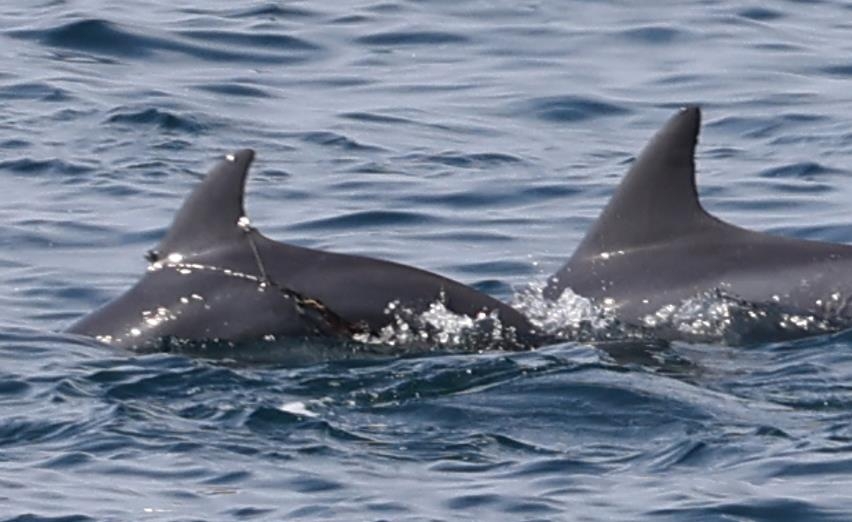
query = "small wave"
{"x": 332, "y": 80}
{"x": 272, "y": 421}
{"x": 350, "y": 19}
{"x": 162, "y": 119}
{"x": 16, "y": 430}
{"x": 840, "y": 70}
{"x": 479, "y": 160}
{"x": 509, "y": 505}
{"x": 761, "y": 14}
{"x": 273, "y": 10}
{"x": 723, "y": 152}
{"x": 332, "y": 139}
{"x": 254, "y": 39}
{"x": 404, "y": 38}
{"x": 11, "y": 386}
{"x": 681, "y": 79}
{"x": 493, "y": 194}
{"x": 804, "y": 170}
{"x": 248, "y": 513}
{"x": 104, "y": 38}
{"x": 681, "y": 453}
{"x": 95, "y": 35}
{"x": 387, "y": 119}
{"x": 35, "y": 166}
{"x": 234, "y": 89}
{"x": 464, "y": 236}
{"x": 265, "y": 418}
{"x": 34, "y": 91}
{"x": 754, "y": 509}
{"x": 33, "y": 517}
{"x": 759, "y": 127}
{"x": 288, "y": 353}
{"x": 464, "y": 199}
{"x": 450, "y": 374}
{"x": 564, "y": 109}
{"x": 653, "y": 34}
{"x": 54, "y": 233}
{"x": 538, "y": 193}
{"x": 14, "y": 143}
{"x": 372, "y": 117}
{"x": 750, "y": 127}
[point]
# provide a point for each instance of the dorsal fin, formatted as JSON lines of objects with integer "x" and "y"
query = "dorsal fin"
{"x": 657, "y": 199}
{"x": 211, "y": 212}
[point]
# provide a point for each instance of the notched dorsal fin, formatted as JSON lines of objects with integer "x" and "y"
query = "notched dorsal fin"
{"x": 212, "y": 211}
{"x": 657, "y": 199}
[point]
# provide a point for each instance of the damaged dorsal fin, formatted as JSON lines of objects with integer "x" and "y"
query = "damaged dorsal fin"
{"x": 657, "y": 199}
{"x": 211, "y": 213}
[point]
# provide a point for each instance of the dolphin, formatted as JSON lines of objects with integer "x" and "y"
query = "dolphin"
{"x": 216, "y": 277}
{"x": 654, "y": 246}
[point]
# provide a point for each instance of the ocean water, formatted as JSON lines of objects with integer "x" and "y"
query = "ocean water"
{"x": 476, "y": 139}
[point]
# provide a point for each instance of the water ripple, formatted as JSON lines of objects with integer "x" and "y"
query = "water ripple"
{"x": 34, "y": 166}
{"x": 265, "y": 10}
{"x": 804, "y": 170}
{"x": 31, "y": 517}
{"x": 34, "y": 90}
{"x": 165, "y": 120}
{"x": 411, "y": 37}
{"x": 234, "y": 89}
{"x": 254, "y": 39}
{"x": 762, "y": 14}
{"x": 653, "y": 34}
{"x": 471, "y": 160}
{"x": 95, "y": 35}
{"x": 568, "y": 109}
{"x": 105, "y": 38}
{"x": 333, "y": 139}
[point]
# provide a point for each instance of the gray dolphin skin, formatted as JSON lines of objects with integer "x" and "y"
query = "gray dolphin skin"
{"x": 654, "y": 245}
{"x": 215, "y": 277}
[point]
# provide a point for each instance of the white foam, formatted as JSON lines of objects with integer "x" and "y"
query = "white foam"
{"x": 297, "y": 408}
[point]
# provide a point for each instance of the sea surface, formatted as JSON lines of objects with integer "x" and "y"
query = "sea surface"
{"x": 477, "y": 139}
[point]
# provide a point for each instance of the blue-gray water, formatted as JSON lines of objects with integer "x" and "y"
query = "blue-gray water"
{"x": 477, "y": 139}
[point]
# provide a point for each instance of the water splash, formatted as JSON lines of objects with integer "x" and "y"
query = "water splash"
{"x": 712, "y": 316}
{"x": 439, "y": 329}
{"x": 716, "y": 316}
{"x": 571, "y": 317}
